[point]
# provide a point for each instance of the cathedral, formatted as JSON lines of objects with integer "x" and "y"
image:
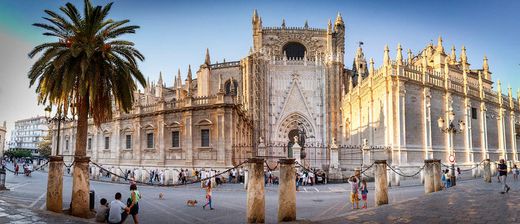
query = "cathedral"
{"x": 294, "y": 80}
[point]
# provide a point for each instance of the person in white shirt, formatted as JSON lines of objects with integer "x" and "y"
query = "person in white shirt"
{"x": 118, "y": 210}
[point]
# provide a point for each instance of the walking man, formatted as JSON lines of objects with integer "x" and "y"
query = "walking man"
{"x": 502, "y": 173}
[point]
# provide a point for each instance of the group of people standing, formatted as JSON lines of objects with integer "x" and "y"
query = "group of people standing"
{"x": 357, "y": 187}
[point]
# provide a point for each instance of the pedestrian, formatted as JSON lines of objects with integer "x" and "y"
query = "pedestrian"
{"x": 134, "y": 203}
{"x": 515, "y": 173}
{"x": 208, "y": 196}
{"x": 297, "y": 181}
{"x": 161, "y": 176}
{"x": 16, "y": 168}
{"x": 234, "y": 175}
{"x": 364, "y": 193}
{"x": 102, "y": 211}
{"x": 117, "y": 211}
{"x": 354, "y": 198}
{"x": 502, "y": 173}
{"x": 241, "y": 175}
{"x": 458, "y": 172}
{"x": 447, "y": 176}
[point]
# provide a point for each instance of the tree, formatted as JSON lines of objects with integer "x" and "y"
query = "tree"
{"x": 45, "y": 146}
{"x": 85, "y": 70}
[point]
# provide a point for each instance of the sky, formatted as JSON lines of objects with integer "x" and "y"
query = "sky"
{"x": 175, "y": 34}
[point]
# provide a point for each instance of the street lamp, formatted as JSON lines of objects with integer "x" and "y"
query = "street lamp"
{"x": 451, "y": 130}
{"x": 57, "y": 118}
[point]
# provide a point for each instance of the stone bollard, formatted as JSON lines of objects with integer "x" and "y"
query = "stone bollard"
{"x": 389, "y": 176}
{"x": 246, "y": 178}
{"x": 80, "y": 188}
{"x": 287, "y": 191}
{"x": 493, "y": 166}
{"x": 112, "y": 176}
{"x": 487, "y": 171}
{"x": 422, "y": 175}
{"x": 381, "y": 183}
{"x": 429, "y": 183}
{"x": 55, "y": 185}
{"x": 167, "y": 175}
{"x": 437, "y": 174}
{"x": 255, "y": 192}
{"x": 397, "y": 177}
{"x": 474, "y": 171}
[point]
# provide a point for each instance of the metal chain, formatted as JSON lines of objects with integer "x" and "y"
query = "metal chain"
{"x": 405, "y": 175}
{"x": 41, "y": 166}
{"x": 269, "y": 168}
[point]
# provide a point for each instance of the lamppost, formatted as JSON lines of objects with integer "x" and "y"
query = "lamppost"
{"x": 451, "y": 130}
{"x": 58, "y": 118}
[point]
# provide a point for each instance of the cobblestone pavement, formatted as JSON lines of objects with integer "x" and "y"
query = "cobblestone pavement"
{"x": 14, "y": 214}
{"x": 468, "y": 202}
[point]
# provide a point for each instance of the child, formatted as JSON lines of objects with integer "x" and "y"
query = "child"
{"x": 364, "y": 192}
{"x": 515, "y": 172}
{"x": 354, "y": 199}
{"x": 208, "y": 196}
{"x": 102, "y": 211}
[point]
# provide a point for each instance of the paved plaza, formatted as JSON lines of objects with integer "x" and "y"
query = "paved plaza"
{"x": 472, "y": 201}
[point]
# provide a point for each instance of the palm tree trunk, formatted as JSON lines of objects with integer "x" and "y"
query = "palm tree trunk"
{"x": 80, "y": 182}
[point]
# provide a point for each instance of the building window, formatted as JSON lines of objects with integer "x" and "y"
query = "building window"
{"x": 107, "y": 142}
{"x": 175, "y": 139}
{"x": 473, "y": 113}
{"x": 89, "y": 143}
{"x": 204, "y": 137}
{"x": 294, "y": 50}
{"x": 128, "y": 142}
{"x": 229, "y": 90}
{"x": 149, "y": 140}
{"x": 67, "y": 144}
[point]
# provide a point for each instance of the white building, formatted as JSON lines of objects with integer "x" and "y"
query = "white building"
{"x": 28, "y": 133}
{"x": 3, "y": 131}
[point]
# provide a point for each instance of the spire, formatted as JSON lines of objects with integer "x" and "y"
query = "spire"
{"x": 306, "y": 25}
{"x": 399, "y": 57}
{"x": 440, "y": 48}
{"x": 283, "y": 23}
{"x": 499, "y": 90}
{"x": 179, "y": 81}
{"x": 220, "y": 86}
{"x": 255, "y": 16}
{"x": 463, "y": 56}
{"x": 410, "y": 57}
{"x": 339, "y": 20}
{"x": 453, "y": 56}
{"x": 189, "y": 73}
{"x": 207, "y": 60}
{"x": 329, "y": 27}
{"x": 485, "y": 65}
{"x": 160, "y": 82}
{"x": 424, "y": 62}
{"x": 386, "y": 57}
{"x": 371, "y": 71}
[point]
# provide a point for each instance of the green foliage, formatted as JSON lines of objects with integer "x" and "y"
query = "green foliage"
{"x": 86, "y": 61}
{"x": 18, "y": 153}
{"x": 45, "y": 146}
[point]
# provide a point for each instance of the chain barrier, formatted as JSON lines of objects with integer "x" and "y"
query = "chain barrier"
{"x": 41, "y": 166}
{"x": 366, "y": 169}
{"x": 464, "y": 170}
{"x": 405, "y": 175}
{"x": 269, "y": 168}
{"x": 175, "y": 184}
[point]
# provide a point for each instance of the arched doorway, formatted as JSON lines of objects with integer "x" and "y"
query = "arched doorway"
{"x": 294, "y": 50}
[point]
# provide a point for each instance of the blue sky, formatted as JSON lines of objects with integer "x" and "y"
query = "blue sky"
{"x": 174, "y": 34}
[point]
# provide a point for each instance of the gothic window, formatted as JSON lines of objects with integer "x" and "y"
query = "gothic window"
{"x": 294, "y": 50}
{"x": 128, "y": 142}
{"x": 227, "y": 86}
{"x": 204, "y": 137}
{"x": 89, "y": 143}
{"x": 473, "y": 113}
{"x": 67, "y": 144}
{"x": 175, "y": 139}
{"x": 107, "y": 142}
{"x": 149, "y": 140}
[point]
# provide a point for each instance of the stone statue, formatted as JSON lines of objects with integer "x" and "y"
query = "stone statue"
{"x": 302, "y": 136}
{"x": 296, "y": 139}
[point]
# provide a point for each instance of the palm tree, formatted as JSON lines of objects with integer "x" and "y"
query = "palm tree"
{"x": 85, "y": 70}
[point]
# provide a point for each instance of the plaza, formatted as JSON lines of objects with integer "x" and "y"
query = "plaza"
{"x": 315, "y": 204}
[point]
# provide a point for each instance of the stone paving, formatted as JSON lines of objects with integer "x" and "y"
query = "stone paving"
{"x": 468, "y": 202}
{"x": 14, "y": 214}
